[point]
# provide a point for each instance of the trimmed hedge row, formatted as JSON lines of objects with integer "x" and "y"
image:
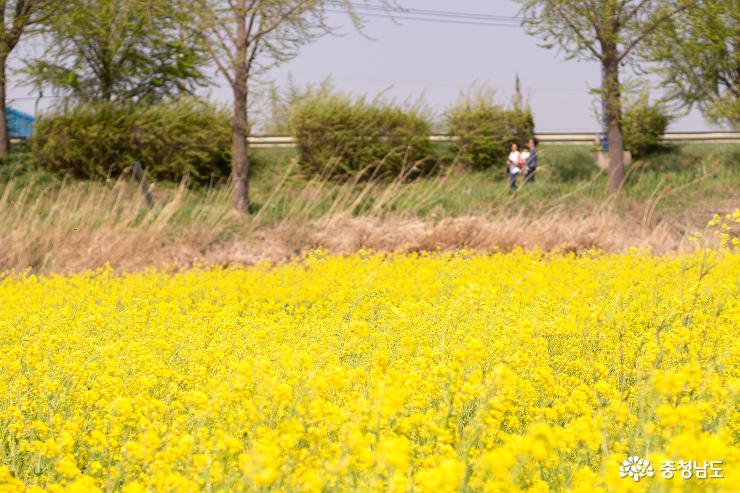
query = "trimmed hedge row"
{"x": 340, "y": 136}
{"x": 170, "y": 140}
{"x": 484, "y": 130}
{"x": 337, "y": 135}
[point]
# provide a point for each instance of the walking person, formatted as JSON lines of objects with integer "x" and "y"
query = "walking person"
{"x": 531, "y": 161}
{"x": 513, "y": 165}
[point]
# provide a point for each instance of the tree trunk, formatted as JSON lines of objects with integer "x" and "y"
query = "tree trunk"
{"x": 613, "y": 95}
{"x": 4, "y": 141}
{"x": 239, "y": 150}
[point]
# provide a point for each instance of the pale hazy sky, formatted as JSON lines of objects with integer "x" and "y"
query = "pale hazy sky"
{"x": 438, "y": 60}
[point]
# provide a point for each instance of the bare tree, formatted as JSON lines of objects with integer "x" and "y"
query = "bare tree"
{"x": 607, "y": 31}
{"x": 246, "y": 37}
{"x": 18, "y": 17}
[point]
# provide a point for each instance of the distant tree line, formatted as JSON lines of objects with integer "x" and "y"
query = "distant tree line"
{"x": 142, "y": 53}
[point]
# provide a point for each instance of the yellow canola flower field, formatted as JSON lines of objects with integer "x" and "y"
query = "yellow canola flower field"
{"x": 405, "y": 373}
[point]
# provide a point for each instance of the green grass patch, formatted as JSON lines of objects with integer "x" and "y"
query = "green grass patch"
{"x": 674, "y": 178}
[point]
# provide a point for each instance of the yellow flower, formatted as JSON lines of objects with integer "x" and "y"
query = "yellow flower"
{"x": 134, "y": 487}
{"x": 85, "y": 484}
{"x": 493, "y": 372}
{"x": 67, "y": 467}
{"x": 395, "y": 452}
{"x": 444, "y": 477}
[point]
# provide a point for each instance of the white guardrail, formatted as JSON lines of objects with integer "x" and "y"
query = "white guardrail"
{"x": 544, "y": 138}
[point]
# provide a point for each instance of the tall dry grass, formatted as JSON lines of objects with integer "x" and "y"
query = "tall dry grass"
{"x": 72, "y": 226}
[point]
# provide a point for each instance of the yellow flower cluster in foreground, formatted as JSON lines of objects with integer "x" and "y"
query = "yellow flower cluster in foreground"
{"x": 424, "y": 373}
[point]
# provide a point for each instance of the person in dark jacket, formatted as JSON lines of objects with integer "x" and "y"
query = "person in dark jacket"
{"x": 531, "y": 161}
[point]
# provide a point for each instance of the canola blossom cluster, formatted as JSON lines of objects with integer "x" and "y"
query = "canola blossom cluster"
{"x": 437, "y": 372}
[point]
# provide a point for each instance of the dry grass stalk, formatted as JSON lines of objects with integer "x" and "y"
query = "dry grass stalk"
{"x": 75, "y": 226}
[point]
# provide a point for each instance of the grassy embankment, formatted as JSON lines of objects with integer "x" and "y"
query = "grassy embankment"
{"x": 52, "y": 223}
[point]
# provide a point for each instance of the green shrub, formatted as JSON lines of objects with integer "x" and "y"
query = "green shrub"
{"x": 725, "y": 110}
{"x": 643, "y": 126}
{"x": 170, "y": 140}
{"x": 484, "y": 131}
{"x": 16, "y": 164}
{"x": 568, "y": 163}
{"x": 341, "y": 136}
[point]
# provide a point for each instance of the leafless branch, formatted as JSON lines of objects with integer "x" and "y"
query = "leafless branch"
{"x": 577, "y": 32}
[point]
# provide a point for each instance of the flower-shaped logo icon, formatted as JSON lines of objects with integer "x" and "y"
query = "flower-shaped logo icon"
{"x": 636, "y": 468}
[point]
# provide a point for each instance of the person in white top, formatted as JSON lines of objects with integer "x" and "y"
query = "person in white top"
{"x": 513, "y": 163}
{"x": 523, "y": 157}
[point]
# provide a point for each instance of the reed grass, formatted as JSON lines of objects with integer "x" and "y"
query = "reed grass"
{"x": 51, "y": 225}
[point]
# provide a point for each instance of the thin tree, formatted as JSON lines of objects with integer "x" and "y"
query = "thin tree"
{"x": 245, "y": 38}
{"x": 18, "y": 18}
{"x": 608, "y": 31}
